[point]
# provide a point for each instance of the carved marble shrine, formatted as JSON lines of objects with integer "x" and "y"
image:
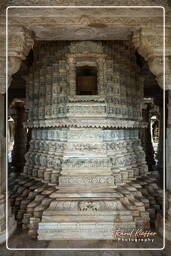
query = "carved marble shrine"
{"x": 85, "y": 173}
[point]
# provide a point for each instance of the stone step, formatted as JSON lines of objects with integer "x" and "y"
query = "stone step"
{"x": 97, "y": 195}
{"x": 82, "y": 230}
{"x": 84, "y": 218}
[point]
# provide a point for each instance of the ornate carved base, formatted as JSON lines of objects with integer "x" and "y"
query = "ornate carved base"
{"x": 50, "y": 214}
{"x": 91, "y": 215}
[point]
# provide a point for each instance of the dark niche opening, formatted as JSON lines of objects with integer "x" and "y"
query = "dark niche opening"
{"x": 86, "y": 80}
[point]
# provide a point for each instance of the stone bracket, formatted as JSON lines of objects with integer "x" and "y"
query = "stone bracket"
{"x": 20, "y": 41}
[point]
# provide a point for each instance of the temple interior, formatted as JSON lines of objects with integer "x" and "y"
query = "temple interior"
{"x": 87, "y": 128}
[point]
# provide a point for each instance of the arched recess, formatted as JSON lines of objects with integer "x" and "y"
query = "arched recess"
{"x": 86, "y": 80}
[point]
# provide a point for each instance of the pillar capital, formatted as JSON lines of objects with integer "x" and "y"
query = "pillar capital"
{"x": 149, "y": 44}
{"x": 20, "y": 41}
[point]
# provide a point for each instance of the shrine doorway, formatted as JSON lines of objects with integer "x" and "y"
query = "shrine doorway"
{"x": 86, "y": 80}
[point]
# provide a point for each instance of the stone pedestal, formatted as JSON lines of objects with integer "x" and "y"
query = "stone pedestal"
{"x": 90, "y": 201}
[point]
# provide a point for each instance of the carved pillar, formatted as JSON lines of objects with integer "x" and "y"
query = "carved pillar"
{"x": 2, "y": 167}
{"x": 168, "y": 167}
{"x": 11, "y": 221}
{"x": 20, "y": 42}
{"x": 149, "y": 44}
{"x": 168, "y": 144}
{"x": 19, "y": 150}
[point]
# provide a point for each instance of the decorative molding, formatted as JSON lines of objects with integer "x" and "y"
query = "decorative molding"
{"x": 94, "y": 123}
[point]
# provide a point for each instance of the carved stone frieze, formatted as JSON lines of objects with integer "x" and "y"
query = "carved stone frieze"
{"x": 90, "y": 123}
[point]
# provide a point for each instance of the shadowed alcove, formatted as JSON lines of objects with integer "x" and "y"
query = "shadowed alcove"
{"x": 86, "y": 80}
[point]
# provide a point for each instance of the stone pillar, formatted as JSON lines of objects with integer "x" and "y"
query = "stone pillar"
{"x": 168, "y": 144}
{"x": 19, "y": 150}
{"x": 149, "y": 44}
{"x": 20, "y": 41}
{"x": 2, "y": 173}
{"x": 168, "y": 169}
{"x": 11, "y": 221}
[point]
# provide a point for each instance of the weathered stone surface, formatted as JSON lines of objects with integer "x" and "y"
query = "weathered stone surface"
{"x": 150, "y": 44}
{"x": 20, "y": 41}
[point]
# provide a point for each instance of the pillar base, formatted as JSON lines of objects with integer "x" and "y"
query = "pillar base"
{"x": 33, "y": 202}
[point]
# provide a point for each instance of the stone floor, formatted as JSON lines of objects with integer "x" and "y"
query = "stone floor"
{"x": 21, "y": 240}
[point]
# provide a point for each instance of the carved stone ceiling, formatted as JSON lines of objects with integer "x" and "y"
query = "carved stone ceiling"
{"x": 84, "y": 23}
